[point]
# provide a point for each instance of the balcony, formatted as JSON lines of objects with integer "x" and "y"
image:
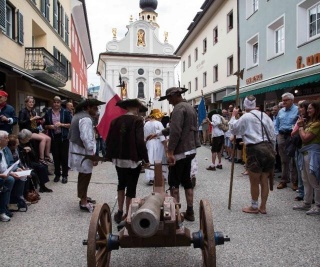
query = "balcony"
{"x": 43, "y": 66}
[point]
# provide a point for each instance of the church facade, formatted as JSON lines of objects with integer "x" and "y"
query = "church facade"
{"x": 140, "y": 65}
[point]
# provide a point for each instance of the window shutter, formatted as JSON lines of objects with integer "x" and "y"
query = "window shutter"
{"x": 69, "y": 70}
{"x": 48, "y": 10}
{"x": 20, "y": 28}
{"x": 66, "y": 34}
{"x": 62, "y": 23}
{"x": 43, "y": 7}
{"x": 55, "y": 52}
{"x": 55, "y": 14}
{"x": 3, "y": 14}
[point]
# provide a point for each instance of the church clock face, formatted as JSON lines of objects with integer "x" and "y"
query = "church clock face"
{"x": 140, "y": 71}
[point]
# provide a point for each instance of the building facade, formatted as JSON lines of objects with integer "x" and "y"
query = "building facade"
{"x": 38, "y": 59}
{"x": 209, "y": 53}
{"x": 140, "y": 65}
{"x": 280, "y": 50}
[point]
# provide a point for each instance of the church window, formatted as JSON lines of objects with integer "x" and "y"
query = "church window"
{"x": 140, "y": 71}
{"x": 157, "y": 89}
{"x": 141, "y": 90}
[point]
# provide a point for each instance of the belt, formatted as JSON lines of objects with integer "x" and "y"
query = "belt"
{"x": 248, "y": 145}
{"x": 285, "y": 132}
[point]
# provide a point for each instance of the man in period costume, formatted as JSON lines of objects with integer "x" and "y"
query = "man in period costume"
{"x": 82, "y": 140}
{"x": 183, "y": 142}
{"x": 257, "y": 131}
{"x": 126, "y": 149}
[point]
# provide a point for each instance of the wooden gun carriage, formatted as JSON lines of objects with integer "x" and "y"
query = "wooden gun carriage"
{"x": 154, "y": 221}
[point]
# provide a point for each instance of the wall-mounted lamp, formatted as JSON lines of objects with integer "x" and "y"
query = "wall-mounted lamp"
{"x": 149, "y": 104}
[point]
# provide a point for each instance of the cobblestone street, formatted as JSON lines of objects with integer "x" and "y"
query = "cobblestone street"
{"x": 50, "y": 233}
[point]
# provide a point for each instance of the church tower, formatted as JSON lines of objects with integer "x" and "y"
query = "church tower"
{"x": 144, "y": 62}
{"x": 148, "y": 11}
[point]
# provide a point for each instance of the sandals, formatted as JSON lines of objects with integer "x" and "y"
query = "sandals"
{"x": 43, "y": 161}
{"x": 87, "y": 207}
{"x": 48, "y": 159}
{"x": 90, "y": 200}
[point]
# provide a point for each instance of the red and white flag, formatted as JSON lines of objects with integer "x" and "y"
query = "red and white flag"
{"x": 109, "y": 110}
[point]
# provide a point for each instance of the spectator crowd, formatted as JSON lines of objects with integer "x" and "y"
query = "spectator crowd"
{"x": 284, "y": 139}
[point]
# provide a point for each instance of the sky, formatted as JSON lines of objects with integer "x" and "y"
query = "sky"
{"x": 174, "y": 17}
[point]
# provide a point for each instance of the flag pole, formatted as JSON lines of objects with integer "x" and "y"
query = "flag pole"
{"x": 239, "y": 75}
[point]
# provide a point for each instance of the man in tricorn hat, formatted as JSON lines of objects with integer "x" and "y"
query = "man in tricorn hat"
{"x": 126, "y": 149}
{"x": 183, "y": 142}
{"x": 82, "y": 140}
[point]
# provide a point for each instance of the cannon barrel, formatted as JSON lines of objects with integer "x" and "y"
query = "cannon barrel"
{"x": 145, "y": 222}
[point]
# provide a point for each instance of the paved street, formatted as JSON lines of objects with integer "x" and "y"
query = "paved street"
{"x": 51, "y": 232}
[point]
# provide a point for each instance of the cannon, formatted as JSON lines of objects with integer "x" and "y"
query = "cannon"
{"x": 153, "y": 221}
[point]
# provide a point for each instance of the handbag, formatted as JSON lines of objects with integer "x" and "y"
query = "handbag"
{"x": 292, "y": 144}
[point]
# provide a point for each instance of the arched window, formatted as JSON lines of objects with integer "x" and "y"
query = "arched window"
{"x": 141, "y": 90}
{"x": 157, "y": 89}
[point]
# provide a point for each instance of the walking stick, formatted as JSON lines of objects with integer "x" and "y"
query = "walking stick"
{"x": 239, "y": 75}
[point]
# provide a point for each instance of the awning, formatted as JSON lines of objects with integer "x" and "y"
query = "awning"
{"x": 75, "y": 97}
{"x": 292, "y": 79}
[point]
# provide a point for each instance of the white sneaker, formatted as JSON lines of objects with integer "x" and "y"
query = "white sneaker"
{"x": 4, "y": 217}
{"x": 314, "y": 211}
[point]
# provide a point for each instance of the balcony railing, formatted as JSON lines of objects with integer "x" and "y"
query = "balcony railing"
{"x": 45, "y": 67}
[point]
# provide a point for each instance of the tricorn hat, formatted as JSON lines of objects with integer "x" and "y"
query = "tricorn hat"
{"x": 173, "y": 91}
{"x": 132, "y": 103}
{"x": 88, "y": 103}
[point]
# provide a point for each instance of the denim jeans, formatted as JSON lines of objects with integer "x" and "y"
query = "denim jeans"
{"x": 5, "y": 196}
{"x": 100, "y": 145}
{"x": 300, "y": 182}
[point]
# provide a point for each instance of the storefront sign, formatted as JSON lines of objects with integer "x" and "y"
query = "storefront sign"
{"x": 255, "y": 78}
{"x": 311, "y": 60}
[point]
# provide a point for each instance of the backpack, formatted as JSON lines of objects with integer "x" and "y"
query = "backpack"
{"x": 224, "y": 126}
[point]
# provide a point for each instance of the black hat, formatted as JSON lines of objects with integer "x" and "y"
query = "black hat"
{"x": 132, "y": 103}
{"x": 173, "y": 91}
{"x": 88, "y": 103}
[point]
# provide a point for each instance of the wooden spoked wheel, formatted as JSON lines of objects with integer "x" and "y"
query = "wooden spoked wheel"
{"x": 99, "y": 230}
{"x": 206, "y": 226}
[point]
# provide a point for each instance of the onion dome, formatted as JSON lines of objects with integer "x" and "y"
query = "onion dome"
{"x": 148, "y": 5}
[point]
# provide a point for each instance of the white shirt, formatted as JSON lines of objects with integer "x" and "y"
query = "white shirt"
{"x": 3, "y": 163}
{"x": 249, "y": 127}
{"x": 88, "y": 138}
{"x": 215, "y": 121}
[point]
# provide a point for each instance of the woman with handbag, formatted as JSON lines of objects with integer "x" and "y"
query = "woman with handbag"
{"x": 309, "y": 159}
{"x": 296, "y": 141}
{"x": 28, "y": 119}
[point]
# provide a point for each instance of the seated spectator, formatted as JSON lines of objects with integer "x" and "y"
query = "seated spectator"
{"x": 17, "y": 201}
{"x": 29, "y": 159}
{"x": 6, "y": 180}
{"x": 28, "y": 119}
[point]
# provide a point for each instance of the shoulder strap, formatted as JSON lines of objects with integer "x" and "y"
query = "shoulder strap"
{"x": 262, "y": 126}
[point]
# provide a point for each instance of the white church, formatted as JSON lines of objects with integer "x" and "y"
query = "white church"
{"x": 144, "y": 63}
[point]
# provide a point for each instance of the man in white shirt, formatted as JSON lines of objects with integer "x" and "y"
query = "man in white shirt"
{"x": 217, "y": 141}
{"x": 258, "y": 135}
